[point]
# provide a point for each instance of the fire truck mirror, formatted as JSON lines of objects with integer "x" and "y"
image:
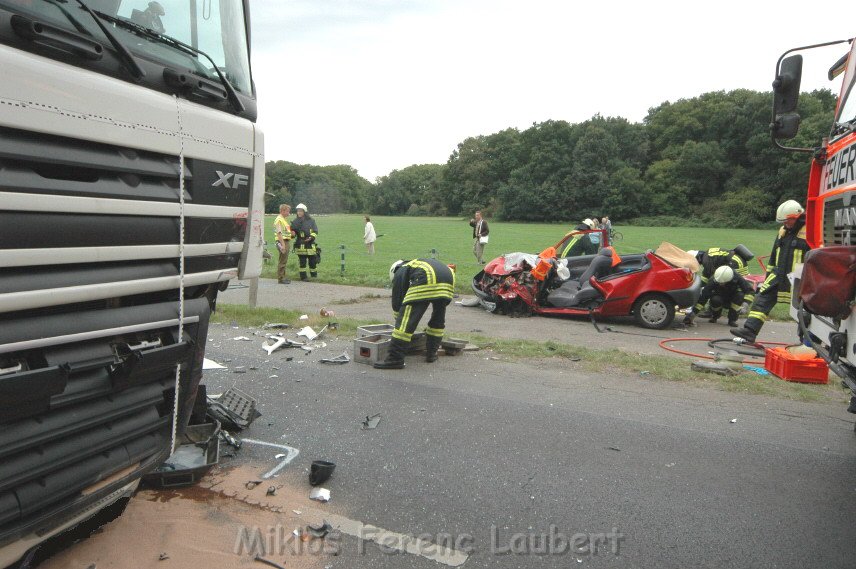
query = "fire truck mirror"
{"x": 786, "y": 87}
{"x": 786, "y": 126}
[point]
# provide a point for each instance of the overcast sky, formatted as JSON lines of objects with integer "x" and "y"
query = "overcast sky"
{"x": 383, "y": 84}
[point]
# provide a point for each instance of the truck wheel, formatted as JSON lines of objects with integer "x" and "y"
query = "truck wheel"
{"x": 654, "y": 311}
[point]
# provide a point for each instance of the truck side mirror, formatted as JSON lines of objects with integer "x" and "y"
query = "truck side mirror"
{"x": 786, "y": 92}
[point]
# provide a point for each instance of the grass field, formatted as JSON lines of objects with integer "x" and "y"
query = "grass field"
{"x": 451, "y": 238}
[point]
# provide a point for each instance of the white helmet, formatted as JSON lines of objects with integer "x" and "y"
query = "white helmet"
{"x": 723, "y": 275}
{"x": 394, "y": 267}
{"x": 302, "y": 206}
{"x": 692, "y": 252}
{"x": 589, "y": 222}
{"x": 790, "y": 208}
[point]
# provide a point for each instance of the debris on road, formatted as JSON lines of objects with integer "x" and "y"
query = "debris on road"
{"x": 239, "y": 369}
{"x": 645, "y": 373}
{"x": 271, "y": 491}
{"x": 234, "y": 409}
{"x": 371, "y": 422}
{"x": 242, "y": 339}
{"x": 276, "y": 326}
{"x": 319, "y": 531}
{"x": 163, "y": 557}
{"x": 268, "y": 562}
{"x": 326, "y": 313}
{"x": 304, "y": 317}
{"x": 211, "y": 364}
{"x": 227, "y": 438}
{"x": 733, "y": 420}
{"x": 252, "y": 484}
{"x": 272, "y": 347}
{"x": 320, "y": 471}
{"x": 342, "y": 359}
{"x": 310, "y": 334}
{"x": 320, "y": 494}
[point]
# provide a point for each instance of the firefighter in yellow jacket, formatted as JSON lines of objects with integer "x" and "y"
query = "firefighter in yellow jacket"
{"x": 788, "y": 250}
{"x": 416, "y": 285}
{"x": 283, "y": 236}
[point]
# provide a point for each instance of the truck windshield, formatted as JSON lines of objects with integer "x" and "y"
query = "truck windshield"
{"x": 848, "y": 105}
{"x": 216, "y": 27}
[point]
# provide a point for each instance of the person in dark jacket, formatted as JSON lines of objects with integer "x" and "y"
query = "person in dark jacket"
{"x": 416, "y": 285}
{"x": 480, "y": 236}
{"x": 727, "y": 289}
{"x": 715, "y": 257}
{"x": 305, "y": 232}
{"x": 578, "y": 244}
{"x": 789, "y": 249}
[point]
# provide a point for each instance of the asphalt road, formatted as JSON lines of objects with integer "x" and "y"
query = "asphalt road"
{"x": 491, "y": 452}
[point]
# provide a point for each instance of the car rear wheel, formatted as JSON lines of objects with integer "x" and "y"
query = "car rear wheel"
{"x": 654, "y": 311}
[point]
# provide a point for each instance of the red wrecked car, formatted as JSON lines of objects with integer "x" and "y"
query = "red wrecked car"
{"x": 647, "y": 285}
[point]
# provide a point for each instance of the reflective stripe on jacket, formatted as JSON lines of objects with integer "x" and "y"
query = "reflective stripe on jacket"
{"x": 422, "y": 280}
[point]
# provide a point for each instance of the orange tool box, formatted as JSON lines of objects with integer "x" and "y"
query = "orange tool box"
{"x": 796, "y": 367}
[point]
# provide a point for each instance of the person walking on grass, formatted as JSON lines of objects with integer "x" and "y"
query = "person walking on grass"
{"x": 480, "y": 236}
{"x": 282, "y": 234}
{"x": 305, "y": 232}
{"x": 369, "y": 236}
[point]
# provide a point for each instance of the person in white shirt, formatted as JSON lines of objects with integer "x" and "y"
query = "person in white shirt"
{"x": 369, "y": 236}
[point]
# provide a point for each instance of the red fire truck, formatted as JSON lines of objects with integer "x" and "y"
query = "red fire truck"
{"x": 824, "y": 291}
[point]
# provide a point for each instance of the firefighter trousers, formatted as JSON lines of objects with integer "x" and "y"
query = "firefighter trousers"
{"x": 410, "y": 314}
{"x": 312, "y": 260}
{"x": 733, "y": 302}
{"x": 765, "y": 300}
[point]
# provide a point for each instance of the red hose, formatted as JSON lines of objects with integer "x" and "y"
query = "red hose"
{"x": 707, "y": 356}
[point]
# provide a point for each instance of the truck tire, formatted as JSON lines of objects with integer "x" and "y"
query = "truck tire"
{"x": 654, "y": 311}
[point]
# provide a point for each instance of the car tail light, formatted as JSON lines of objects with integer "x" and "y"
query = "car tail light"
{"x": 688, "y": 275}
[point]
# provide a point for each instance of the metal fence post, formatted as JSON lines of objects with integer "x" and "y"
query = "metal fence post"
{"x": 342, "y": 247}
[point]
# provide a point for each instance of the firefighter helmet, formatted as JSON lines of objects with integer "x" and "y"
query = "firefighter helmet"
{"x": 790, "y": 208}
{"x": 723, "y": 275}
{"x": 394, "y": 267}
{"x": 588, "y": 222}
{"x": 302, "y": 206}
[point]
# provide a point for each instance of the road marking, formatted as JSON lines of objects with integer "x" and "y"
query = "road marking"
{"x": 393, "y": 540}
{"x": 291, "y": 454}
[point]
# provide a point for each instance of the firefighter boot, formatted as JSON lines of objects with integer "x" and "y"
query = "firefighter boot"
{"x": 395, "y": 357}
{"x": 746, "y": 333}
{"x": 432, "y": 344}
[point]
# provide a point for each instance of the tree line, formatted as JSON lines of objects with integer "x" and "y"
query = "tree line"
{"x": 707, "y": 160}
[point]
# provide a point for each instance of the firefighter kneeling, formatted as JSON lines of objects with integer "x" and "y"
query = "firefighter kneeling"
{"x": 416, "y": 285}
{"x": 725, "y": 289}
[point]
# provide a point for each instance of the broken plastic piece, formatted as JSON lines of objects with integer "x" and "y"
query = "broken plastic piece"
{"x": 304, "y": 317}
{"x": 342, "y": 359}
{"x": 211, "y": 364}
{"x": 163, "y": 557}
{"x": 241, "y": 338}
{"x": 320, "y": 494}
{"x": 733, "y": 420}
{"x": 272, "y": 347}
{"x": 271, "y": 491}
{"x": 371, "y": 422}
